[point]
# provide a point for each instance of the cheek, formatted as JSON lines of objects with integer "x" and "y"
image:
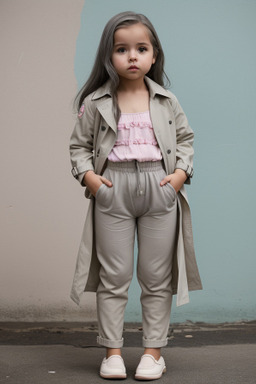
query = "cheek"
{"x": 115, "y": 61}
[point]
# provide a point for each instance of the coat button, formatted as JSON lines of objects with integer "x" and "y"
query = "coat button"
{"x": 170, "y": 122}
{"x": 169, "y": 151}
{"x": 103, "y": 128}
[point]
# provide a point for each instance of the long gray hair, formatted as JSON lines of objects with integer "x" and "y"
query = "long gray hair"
{"x": 103, "y": 68}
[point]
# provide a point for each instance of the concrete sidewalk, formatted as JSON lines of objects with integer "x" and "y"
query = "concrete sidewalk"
{"x": 196, "y": 363}
{"x": 67, "y": 364}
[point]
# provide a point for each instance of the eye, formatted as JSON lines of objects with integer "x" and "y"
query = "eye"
{"x": 121, "y": 50}
{"x": 142, "y": 49}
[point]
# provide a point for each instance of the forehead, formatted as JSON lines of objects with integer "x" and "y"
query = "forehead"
{"x": 132, "y": 34}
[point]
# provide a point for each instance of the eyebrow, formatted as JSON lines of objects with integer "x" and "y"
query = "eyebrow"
{"x": 125, "y": 44}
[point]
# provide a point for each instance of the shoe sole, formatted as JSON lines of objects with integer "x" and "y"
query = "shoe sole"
{"x": 152, "y": 377}
{"x": 124, "y": 376}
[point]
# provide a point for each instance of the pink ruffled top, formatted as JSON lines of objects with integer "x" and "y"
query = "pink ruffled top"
{"x": 135, "y": 139}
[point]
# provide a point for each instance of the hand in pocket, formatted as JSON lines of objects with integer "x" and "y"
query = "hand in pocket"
{"x": 94, "y": 181}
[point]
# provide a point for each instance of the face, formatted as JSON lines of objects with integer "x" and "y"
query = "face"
{"x": 133, "y": 54}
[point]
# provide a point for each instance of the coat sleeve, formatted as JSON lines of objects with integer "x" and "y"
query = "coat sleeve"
{"x": 81, "y": 141}
{"x": 184, "y": 141}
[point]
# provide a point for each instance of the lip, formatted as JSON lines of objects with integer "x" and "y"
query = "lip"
{"x": 133, "y": 68}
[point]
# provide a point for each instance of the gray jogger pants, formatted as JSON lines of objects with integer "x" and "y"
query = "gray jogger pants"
{"x": 136, "y": 201}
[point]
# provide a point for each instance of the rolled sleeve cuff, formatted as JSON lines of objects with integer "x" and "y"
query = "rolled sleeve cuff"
{"x": 186, "y": 168}
{"x": 79, "y": 172}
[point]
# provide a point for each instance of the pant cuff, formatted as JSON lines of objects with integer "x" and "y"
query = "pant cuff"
{"x": 147, "y": 343}
{"x": 110, "y": 343}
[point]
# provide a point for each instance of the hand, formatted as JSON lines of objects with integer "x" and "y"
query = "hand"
{"x": 176, "y": 179}
{"x": 93, "y": 182}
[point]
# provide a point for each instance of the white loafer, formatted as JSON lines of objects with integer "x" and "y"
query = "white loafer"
{"x": 149, "y": 368}
{"x": 113, "y": 368}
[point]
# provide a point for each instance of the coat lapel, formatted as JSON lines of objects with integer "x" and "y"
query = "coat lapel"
{"x": 105, "y": 108}
{"x": 103, "y": 96}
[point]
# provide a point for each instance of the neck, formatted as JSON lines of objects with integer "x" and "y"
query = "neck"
{"x": 132, "y": 85}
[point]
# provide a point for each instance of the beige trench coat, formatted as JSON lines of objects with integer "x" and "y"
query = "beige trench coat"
{"x": 93, "y": 138}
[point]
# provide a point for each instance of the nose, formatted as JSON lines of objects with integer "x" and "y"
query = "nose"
{"x": 133, "y": 56}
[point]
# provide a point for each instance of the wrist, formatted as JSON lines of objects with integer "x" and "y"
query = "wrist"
{"x": 182, "y": 174}
{"x": 87, "y": 175}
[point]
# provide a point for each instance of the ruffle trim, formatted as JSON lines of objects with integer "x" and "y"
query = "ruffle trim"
{"x": 134, "y": 124}
{"x": 136, "y": 142}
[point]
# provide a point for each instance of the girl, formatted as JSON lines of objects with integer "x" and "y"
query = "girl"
{"x": 132, "y": 149}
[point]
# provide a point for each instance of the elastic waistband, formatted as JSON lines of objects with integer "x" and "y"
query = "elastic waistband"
{"x": 131, "y": 166}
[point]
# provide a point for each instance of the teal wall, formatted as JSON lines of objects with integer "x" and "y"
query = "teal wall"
{"x": 211, "y": 61}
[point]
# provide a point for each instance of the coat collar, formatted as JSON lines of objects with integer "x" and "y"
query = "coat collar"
{"x": 105, "y": 101}
{"x": 104, "y": 90}
{"x": 154, "y": 89}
